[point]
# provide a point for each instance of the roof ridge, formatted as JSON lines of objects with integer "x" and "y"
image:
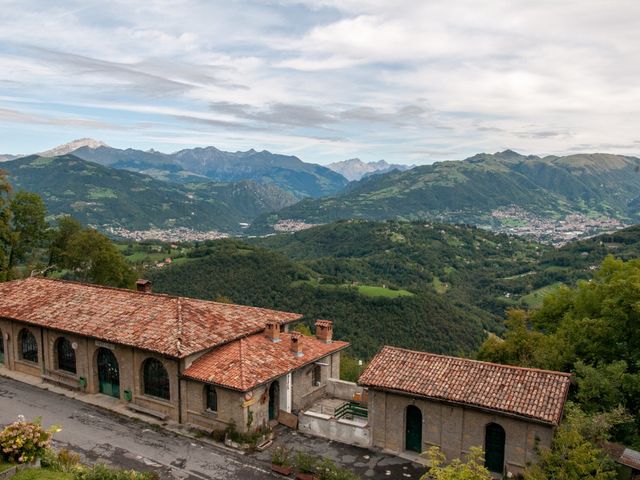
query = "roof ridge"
{"x": 240, "y": 344}
{"x": 481, "y": 362}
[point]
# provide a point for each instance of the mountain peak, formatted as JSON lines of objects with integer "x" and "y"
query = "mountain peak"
{"x": 73, "y": 146}
{"x": 355, "y": 169}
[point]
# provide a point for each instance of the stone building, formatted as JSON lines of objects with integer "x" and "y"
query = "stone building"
{"x": 195, "y": 362}
{"x": 417, "y": 400}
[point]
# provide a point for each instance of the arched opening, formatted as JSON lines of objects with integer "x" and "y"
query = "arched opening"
{"x": 274, "y": 400}
{"x": 211, "y": 398}
{"x": 28, "y": 346}
{"x": 1, "y": 346}
{"x": 494, "y": 440}
{"x": 66, "y": 355}
{"x": 413, "y": 429}
{"x": 108, "y": 373}
{"x": 156, "y": 379}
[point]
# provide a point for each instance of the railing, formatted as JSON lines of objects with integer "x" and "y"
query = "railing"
{"x": 351, "y": 409}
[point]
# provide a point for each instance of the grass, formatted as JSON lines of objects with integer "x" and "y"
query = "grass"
{"x": 5, "y": 466}
{"x": 535, "y": 298}
{"x": 371, "y": 291}
{"x": 41, "y": 474}
{"x": 440, "y": 287}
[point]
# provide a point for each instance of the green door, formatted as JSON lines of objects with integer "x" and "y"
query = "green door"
{"x": 108, "y": 373}
{"x": 413, "y": 429}
{"x": 1, "y": 347}
{"x": 274, "y": 407}
{"x": 494, "y": 439}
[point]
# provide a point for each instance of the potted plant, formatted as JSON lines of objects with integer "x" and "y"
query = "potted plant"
{"x": 281, "y": 460}
{"x": 306, "y": 466}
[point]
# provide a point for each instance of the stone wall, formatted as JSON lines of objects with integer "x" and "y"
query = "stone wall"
{"x": 342, "y": 389}
{"x": 229, "y": 412}
{"x": 453, "y": 428}
{"x": 352, "y": 432}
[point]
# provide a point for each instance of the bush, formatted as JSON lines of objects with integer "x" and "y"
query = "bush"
{"x": 281, "y": 456}
{"x": 327, "y": 470}
{"x": 306, "y": 463}
{"x": 102, "y": 472}
{"x": 23, "y": 442}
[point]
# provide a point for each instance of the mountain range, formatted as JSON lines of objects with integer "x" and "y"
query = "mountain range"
{"x": 469, "y": 191}
{"x": 211, "y": 164}
{"x": 355, "y": 169}
{"x": 102, "y": 196}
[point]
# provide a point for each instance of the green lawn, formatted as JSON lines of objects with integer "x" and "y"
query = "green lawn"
{"x": 371, "y": 291}
{"x": 5, "y": 466}
{"x": 534, "y": 299}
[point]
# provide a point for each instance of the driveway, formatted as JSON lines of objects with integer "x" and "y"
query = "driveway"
{"x": 102, "y": 436}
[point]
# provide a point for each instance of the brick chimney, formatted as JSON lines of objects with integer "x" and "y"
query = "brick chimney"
{"x": 143, "y": 285}
{"x": 324, "y": 330}
{"x": 296, "y": 344}
{"x": 272, "y": 331}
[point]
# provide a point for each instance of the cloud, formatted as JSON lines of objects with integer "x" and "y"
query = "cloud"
{"x": 408, "y": 81}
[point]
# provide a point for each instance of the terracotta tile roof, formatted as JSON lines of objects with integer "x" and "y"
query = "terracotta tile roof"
{"x": 251, "y": 361}
{"x": 527, "y": 392}
{"x": 173, "y": 326}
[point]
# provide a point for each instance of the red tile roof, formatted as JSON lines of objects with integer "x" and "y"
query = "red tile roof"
{"x": 527, "y": 392}
{"x": 173, "y": 326}
{"x": 251, "y": 361}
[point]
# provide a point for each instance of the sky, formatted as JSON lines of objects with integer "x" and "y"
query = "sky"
{"x": 408, "y": 81}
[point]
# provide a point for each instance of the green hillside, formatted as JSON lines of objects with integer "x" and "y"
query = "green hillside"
{"x": 102, "y": 196}
{"x": 410, "y": 284}
{"x": 467, "y": 191}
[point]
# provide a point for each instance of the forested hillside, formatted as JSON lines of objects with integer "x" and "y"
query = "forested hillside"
{"x": 468, "y": 191}
{"x": 250, "y": 275}
{"x": 102, "y": 196}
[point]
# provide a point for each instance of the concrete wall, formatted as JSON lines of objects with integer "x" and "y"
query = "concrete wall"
{"x": 342, "y": 389}
{"x": 340, "y": 430}
{"x": 304, "y": 393}
{"x": 230, "y": 410}
{"x": 455, "y": 429}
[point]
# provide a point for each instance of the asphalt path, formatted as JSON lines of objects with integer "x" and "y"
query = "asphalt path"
{"x": 102, "y": 436}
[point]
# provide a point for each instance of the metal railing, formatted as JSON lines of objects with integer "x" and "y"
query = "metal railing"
{"x": 351, "y": 409}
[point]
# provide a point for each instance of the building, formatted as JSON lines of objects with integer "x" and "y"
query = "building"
{"x": 195, "y": 362}
{"x": 417, "y": 400}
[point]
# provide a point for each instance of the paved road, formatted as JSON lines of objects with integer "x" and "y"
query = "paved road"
{"x": 101, "y": 436}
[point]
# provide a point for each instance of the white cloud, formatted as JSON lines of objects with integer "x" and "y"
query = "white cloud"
{"x": 407, "y": 80}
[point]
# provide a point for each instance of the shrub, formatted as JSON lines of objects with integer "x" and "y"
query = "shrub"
{"x": 306, "y": 463}
{"x": 102, "y": 472}
{"x": 23, "y": 442}
{"x": 281, "y": 456}
{"x": 328, "y": 470}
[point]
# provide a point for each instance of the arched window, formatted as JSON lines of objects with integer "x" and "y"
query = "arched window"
{"x": 28, "y": 346}
{"x": 156, "y": 379}
{"x": 66, "y": 355}
{"x": 211, "y": 398}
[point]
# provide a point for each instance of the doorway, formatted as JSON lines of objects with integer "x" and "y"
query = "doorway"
{"x": 413, "y": 429}
{"x": 108, "y": 373}
{"x": 274, "y": 400}
{"x": 494, "y": 440}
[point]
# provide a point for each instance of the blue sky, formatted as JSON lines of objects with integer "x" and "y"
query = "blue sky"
{"x": 407, "y": 81}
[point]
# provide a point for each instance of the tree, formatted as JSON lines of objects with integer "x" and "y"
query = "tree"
{"x": 67, "y": 228}
{"x": 28, "y": 226}
{"x": 93, "y": 258}
{"x": 571, "y": 457}
{"x": 471, "y": 469}
{"x": 5, "y": 228}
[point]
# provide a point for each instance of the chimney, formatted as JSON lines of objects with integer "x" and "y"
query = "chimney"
{"x": 272, "y": 331}
{"x": 143, "y": 285}
{"x": 296, "y": 344}
{"x": 324, "y": 330}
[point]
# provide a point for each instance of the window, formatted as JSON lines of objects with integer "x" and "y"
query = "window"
{"x": 211, "y": 398}
{"x": 156, "y": 379}
{"x": 66, "y": 355}
{"x": 1, "y": 347}
{"x": 317, "y": 375}
{"x": 28, "y": 346}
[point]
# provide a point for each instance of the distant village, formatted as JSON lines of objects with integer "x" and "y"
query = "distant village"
{"x": 178, "y": 234}
{"x": 517, "y": 221}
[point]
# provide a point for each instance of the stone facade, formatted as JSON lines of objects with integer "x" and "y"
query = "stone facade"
{"x": 453, "y": 428}
{"x": 187, "y": 398}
